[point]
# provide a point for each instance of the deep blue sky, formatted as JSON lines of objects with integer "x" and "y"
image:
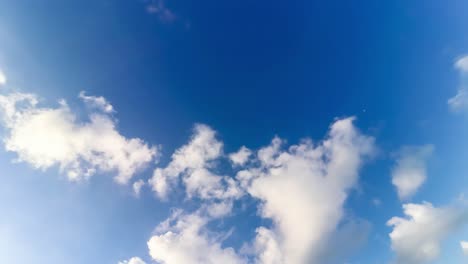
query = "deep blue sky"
{"x": 249, "y": 69}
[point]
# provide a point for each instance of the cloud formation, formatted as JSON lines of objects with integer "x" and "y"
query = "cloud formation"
{"x": 46, "y": 137}
{"x": 410, "y": 173}
{"x": 193, "y": 164}
{"x": 184, "y": 239}
{"x": 315, "y": 180}
{"x": 460, "y": 101}
{"x": 464, "y": 247}
{"x": 134, "y": 260}
{"x": 240, "y": 157}
{"x": 462, "y": 64}
{"x": 137, "y": 187}
{"x": 97, "y": 102}
{"x": 416, "y": 238}
{"x": 3, "y": 78}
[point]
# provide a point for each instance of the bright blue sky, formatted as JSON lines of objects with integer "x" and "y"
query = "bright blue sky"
{"x": 250, "y": 70}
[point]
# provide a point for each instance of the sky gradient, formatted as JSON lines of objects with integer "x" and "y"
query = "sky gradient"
{"x": 264, "y": 132}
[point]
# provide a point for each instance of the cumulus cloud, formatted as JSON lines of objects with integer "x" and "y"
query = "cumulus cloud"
{"x": 97, "y": 102}
{"x": 462, "y": 64}
{"x": 240, "y": 157}
{"x": 303, "y": 190}
{"x": 134, "y": 260}
{"x": 46, "y": 137}
{"x": 3, "y": 78}
{"x": 410, "y": 171}
{"x": 417, "y": 238}
{"x": 184, "y": 239}
{"x": 193, "y": 164}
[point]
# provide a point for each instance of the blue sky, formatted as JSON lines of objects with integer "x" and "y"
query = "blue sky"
{"x": 350, "y": 114}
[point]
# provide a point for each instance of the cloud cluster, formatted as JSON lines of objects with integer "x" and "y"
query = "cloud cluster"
{"x": 46, "y": 137}
{"x": 193, "y": 164}
{"x": 302, "y": 189}
{"x": 183, "y": 238}
{"x": 410, "y": 171}
{"x": 417, "y": 237}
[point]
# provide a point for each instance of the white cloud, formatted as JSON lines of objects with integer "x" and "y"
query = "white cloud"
{"x": 303, "y": 190}
{"x": 306, "y": 181}
{"x": 137, "y": 187}
{"x": 462, "y": 64}
{"x": 97, "y": 102}
{"x": 416, "y": 239}
{"x": 183, "y": 239}
{"x": 218, "y": 209}
{"x": 464, "y": 247}
{"x": 240, "y": 157}
{"x": 410, "y": 170}
{"x": 192, "y": 162}
{"x": 3, "y": 78}
{"x": 460, "y": 101}
{"x": 134, "y": 260}
{"x": 45, "y": 137}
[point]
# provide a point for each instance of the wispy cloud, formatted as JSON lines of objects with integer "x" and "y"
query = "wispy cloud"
{"x": 159, "y": 8}
{"x": 134, "y": 260}
{"x": 459, "y": 102}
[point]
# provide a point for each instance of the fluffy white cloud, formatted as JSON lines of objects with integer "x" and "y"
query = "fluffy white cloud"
{"x": 416, "y": 239}
{"x": 183, "y": 239}
{"x": 303, "y": 190}
{"x": 462, "y": 64}
{"x": 192, "y": 163}
{"x": 410, "y": 170}
{"x": 45, "y": 137}
{"x": 464, "y": 247}
{"x": 3, "y": 78}
{"x": 98, "y": 102}
{"x": 134, "y": 260}
{"x": 240, "y": 157}
{"x": 137, "y": 187}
